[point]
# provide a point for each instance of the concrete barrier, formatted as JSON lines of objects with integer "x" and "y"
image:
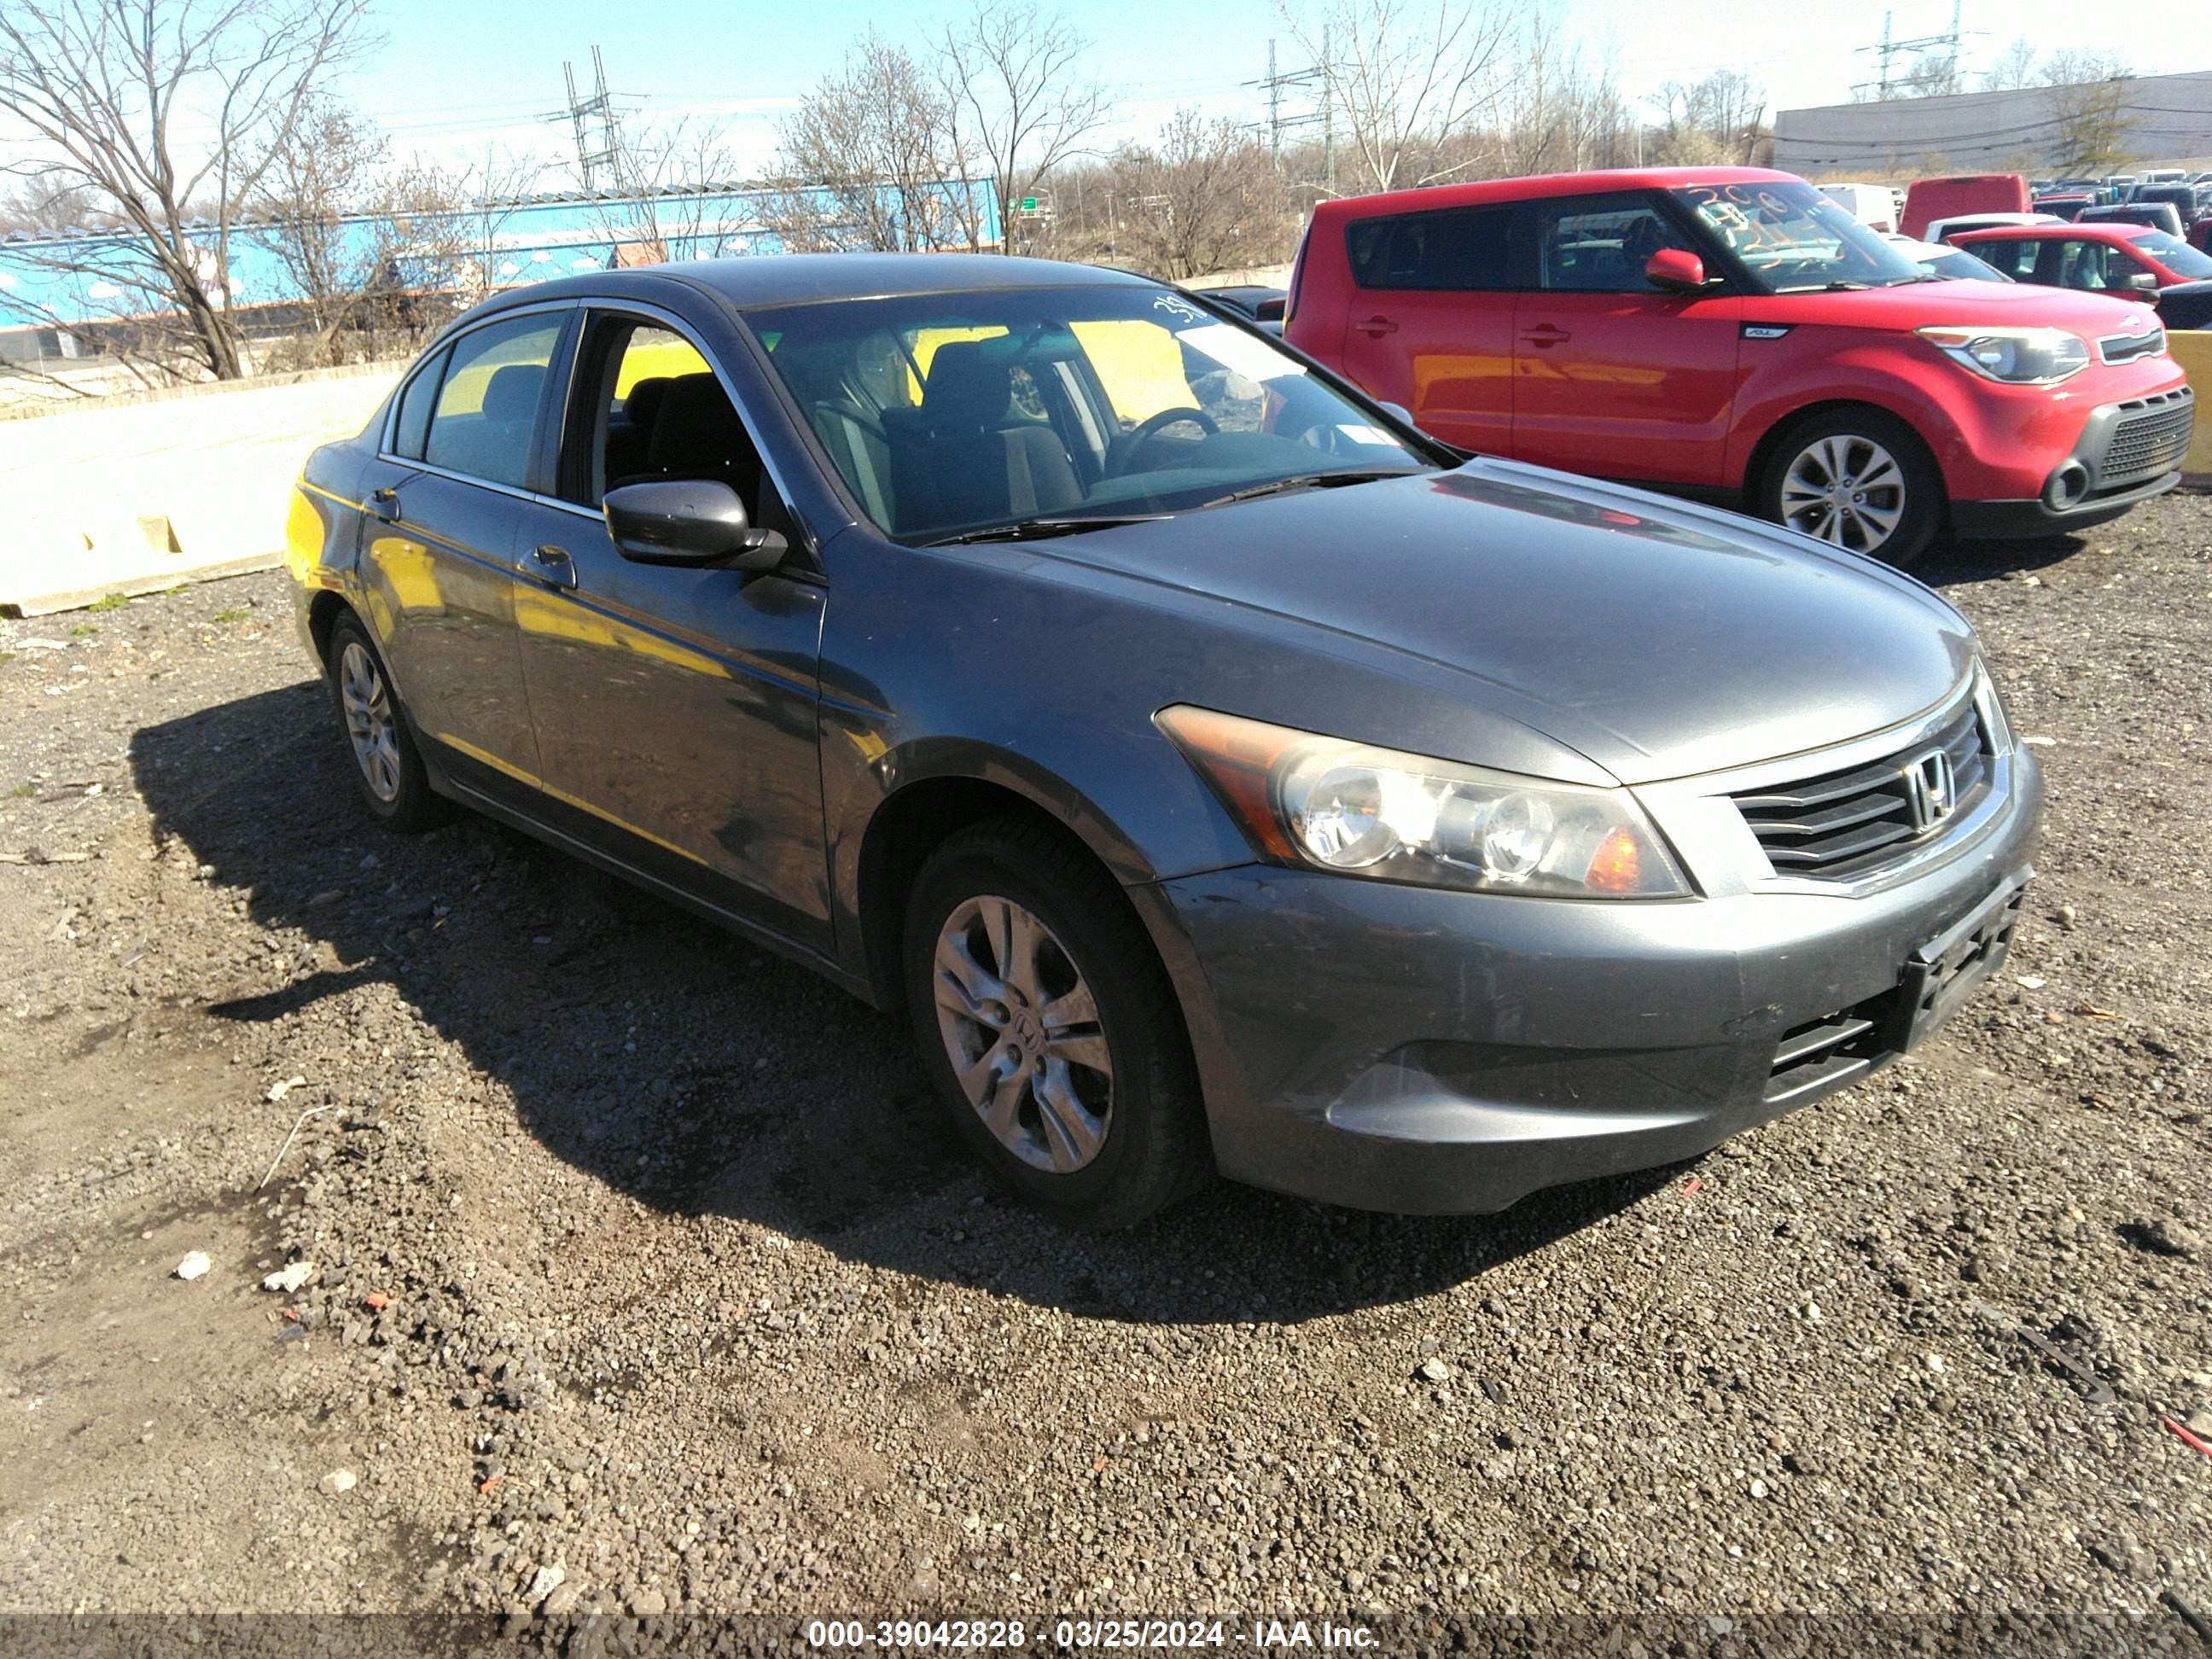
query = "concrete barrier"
{"x": 2192, "y": 349}
{"x": 142, "y": 493}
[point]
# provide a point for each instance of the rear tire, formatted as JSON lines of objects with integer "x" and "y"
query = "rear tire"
{"x": 386, "y": 766}
{"x": 1049, "y": 1027}
{"x": 1858, "y": 479}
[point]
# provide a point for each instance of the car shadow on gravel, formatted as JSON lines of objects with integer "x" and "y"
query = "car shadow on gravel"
{"x": 1951, "y": 562}
{"x": 702, "y": 1076}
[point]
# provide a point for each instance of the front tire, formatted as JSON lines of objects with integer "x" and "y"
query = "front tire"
{"x": 1049, "y": 1027}
{"x": 386, "y": 766}
{"x": 1858, "y": 479}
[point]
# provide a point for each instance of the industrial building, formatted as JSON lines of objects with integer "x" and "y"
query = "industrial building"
{"x": 2162, "y": 119}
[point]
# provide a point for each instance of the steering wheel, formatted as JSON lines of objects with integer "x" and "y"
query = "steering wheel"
{"x": 1145, "y": 430}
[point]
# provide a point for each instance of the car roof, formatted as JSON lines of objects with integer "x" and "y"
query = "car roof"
{"x": 1491, "y": 190}
{"x": 2101, "y": 230}
{"x": 795, "y": 278}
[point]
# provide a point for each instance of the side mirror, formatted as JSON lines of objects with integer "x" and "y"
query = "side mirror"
{"x": 2140, "y": 282}
{"x": 1268, "y": 311}
{"x": 689, "y": 521}
{"x": 1675, "y": 270}
{"x": 1397, "y": 412}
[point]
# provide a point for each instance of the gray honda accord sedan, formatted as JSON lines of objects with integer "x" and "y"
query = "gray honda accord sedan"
{"x": 1219, "y": 774}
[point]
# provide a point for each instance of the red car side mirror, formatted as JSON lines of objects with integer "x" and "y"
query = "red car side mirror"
{"x": 1676, "y": 270}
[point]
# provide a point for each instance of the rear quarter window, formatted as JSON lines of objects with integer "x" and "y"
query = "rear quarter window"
{"x": 1461, "y": 250}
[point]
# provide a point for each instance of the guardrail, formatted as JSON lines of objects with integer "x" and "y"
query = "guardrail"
{"x": 2192, "y": 349}
{"x": 128, "y": 496}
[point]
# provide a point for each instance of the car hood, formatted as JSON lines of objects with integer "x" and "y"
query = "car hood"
{"x": 1964, "y": 303}
{"x": 1656, "y": 638}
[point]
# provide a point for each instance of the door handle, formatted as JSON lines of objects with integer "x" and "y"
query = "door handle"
{"x": 552, "y": 566}
{"x": 1545, "y": 334}
{"x": 385, "y": 504}
{"x": 1376, "y": 325}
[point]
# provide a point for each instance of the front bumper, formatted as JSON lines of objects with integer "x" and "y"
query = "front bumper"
{"x": 1408, "y": 1049}
{"x": 2129, "y": 452}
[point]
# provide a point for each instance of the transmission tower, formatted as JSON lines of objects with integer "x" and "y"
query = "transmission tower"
{"x": 1951, "y": 45}
{"x": 1312, "y": 76}
{"x": 596, "y": 147}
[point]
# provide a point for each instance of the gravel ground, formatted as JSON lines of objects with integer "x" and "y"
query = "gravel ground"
{"x": 631, "y": 1253}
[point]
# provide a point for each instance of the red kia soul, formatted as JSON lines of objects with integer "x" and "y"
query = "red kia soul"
{"x": 1732, "y": 333}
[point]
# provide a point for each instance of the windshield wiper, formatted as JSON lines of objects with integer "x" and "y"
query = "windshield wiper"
{"x": 1312, "y": 481}
{"x": 1038, "y": 529}
{"x": 1841, "y": 286}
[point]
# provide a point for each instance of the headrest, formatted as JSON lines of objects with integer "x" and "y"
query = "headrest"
{"x": 643, "y": 404}
{"x": 697, "y": 429}
{"x": 511, "y": 394}
{"x": 965, "y": 389}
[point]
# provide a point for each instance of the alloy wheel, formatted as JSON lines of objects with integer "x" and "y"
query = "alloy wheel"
{"x": 1845, "y": 489}
{"x": 372, "y": 724}
{"x": 1022, "y": 1030}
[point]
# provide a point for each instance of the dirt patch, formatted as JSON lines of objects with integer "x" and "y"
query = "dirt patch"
{"x": 641, "y": 1254}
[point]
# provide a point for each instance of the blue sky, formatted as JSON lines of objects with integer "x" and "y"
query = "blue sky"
{"x": 449, "y": 79}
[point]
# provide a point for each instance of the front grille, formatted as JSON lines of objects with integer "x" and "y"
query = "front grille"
{"x": 2126, "y": 348}
{"x": 2150, "y": 437}
{"x": 1845, "y": 823}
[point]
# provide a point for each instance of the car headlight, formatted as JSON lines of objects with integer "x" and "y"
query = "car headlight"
{"x": 2018, "y": 356}
{"x": 1391, "y": 816}
{"x": 1991, "y": 706}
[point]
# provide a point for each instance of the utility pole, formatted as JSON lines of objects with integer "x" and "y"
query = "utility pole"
{"x": 1328, "y": 112}
{"x": 1885, "y": 49}
{"x": 1274, "y": 108}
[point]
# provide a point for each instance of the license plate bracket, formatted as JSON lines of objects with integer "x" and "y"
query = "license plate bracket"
{"x": 1944, "y": 972}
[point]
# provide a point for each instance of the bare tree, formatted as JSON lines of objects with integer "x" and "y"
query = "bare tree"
{"x": 330, "y": 168}
{"x": 1406, "y": 76}
{"x": 1930, "y": 75}
{"x": 1712, "y": 120}
{"x": 163, "y": 112}
{"x": 1204, "y": 198}
{"x": 464, "y": 212}
{"x": 869, "y": 164}
{"x": 1015, "y": 104}
{"x": 2014, "y": 68}
{"x": 1555, "y": 113}
{"x": 2089, "y": 92}
{"x": 40, "y": 206}
{"x": 666, "y": 203}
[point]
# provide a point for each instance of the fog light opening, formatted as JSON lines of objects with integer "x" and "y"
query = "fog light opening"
{"x": 2068, "y": 485}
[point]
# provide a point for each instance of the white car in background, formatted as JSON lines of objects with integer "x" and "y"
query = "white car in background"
{"x": 1939, "y": 229}
{"x": 1939, "y": 259}
{"x": 1875, "y": 206}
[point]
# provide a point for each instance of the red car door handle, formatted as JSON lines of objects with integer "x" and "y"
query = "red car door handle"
{"x": 1545, "y": 334}
{"x": 1376, "y": 325}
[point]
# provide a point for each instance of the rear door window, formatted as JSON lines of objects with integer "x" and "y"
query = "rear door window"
{"x": 486, "y": 418}
{"x": 2015, "y": 257}
{"x": 1457, "y": 250}
{"x": 1600, "y": 244}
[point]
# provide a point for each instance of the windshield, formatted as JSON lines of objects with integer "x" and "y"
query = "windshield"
{"x": 1956, "y": 265}
{"x": 1792, "y": 238}
{"x": 954, "y": 413}
{"x": 2177, "y": 256}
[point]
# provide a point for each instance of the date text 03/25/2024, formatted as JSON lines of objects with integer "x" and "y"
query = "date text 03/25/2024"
{"x": 1086, "y": 1635}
